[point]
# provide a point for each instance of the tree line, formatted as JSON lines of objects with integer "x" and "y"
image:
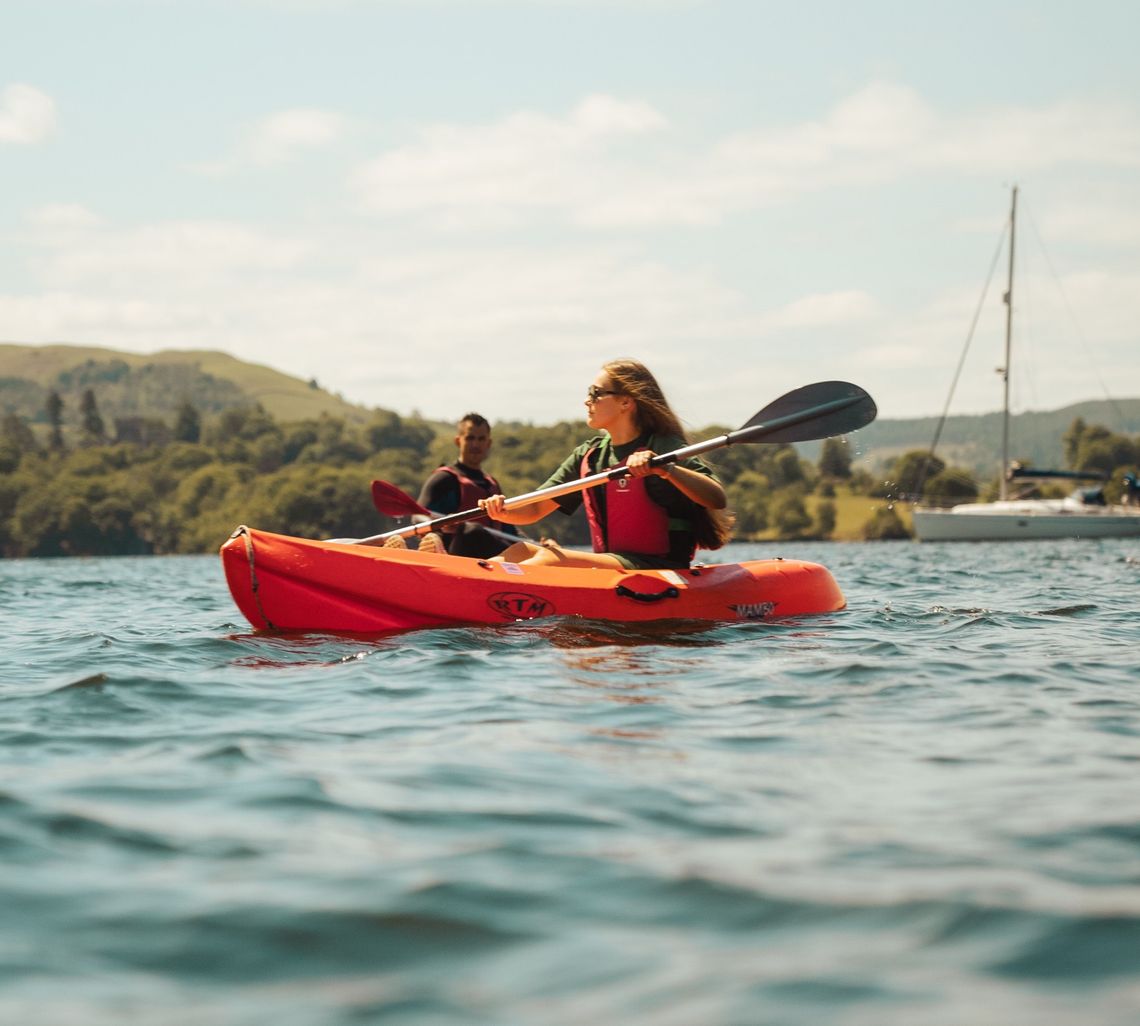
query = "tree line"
{"x": 144, "y": 485}
{"x": 152, "y": 486}
{"x": 1087, "y": 448}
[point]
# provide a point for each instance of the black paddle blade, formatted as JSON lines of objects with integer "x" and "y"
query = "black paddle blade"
{"x": 821, "y": 410}
{"x": 392, "y": 502}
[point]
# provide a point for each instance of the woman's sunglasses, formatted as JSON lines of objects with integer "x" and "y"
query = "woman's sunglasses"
{"x": 593, "y": 393}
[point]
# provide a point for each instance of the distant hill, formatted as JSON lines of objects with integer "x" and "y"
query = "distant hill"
{"x": 974, "y": 442}
{"x": 155, "y": 384}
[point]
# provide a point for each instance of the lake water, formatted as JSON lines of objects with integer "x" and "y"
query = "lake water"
{"x": 925, "y": 809}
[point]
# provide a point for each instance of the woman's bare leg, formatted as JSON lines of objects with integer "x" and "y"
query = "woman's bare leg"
{"x": 551, "y": 554}
{"x": 517, "y": 553}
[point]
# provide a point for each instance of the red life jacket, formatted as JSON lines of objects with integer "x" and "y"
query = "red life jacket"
{"x": 471, "y": 491}
{"x": 634, "y": 522}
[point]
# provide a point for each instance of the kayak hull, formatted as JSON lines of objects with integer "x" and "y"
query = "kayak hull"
{"x": 283, "y": 583}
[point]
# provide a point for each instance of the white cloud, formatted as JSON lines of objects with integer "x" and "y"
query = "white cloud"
{"x": 117, "y": 322}
{"x": 179, "y": 253}
{"x": 279, "y": 138}
{"x": 1027, "y": 139}
{"x": 209, "y": 286}
{"x": 581, "y": 169}
{"x": 286, "y": 133}
{"x": 832, "y": 308}
{"x": 387, "y": 333}
{"x": 527, "y": 161}
{"x": 885, "y": 133}
{"x": 383, "y": 312}
{"x": 64, "y": 217}
{"x": 598, "y": 116}
{"x": 1096, "y": 218}
{"x": 27, "y": 115}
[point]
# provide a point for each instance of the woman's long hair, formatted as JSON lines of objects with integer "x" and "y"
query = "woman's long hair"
{"x": 712, "y": 527}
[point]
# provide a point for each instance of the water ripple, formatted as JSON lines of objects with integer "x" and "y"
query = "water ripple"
{"x": 921, "y": 809}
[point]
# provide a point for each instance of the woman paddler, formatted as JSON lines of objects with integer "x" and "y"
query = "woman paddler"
{"x": 654, "y": 518}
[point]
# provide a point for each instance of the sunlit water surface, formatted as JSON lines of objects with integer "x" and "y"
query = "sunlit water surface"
{"x": 925, "y": 809}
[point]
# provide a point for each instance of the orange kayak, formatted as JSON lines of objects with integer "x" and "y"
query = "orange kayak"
{"x": 293, "y": 584}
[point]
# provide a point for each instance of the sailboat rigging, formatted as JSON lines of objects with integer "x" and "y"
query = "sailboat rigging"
{"x": 1082, "y": 514}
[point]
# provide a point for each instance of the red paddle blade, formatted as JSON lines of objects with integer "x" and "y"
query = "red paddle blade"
{"x": 392, "y": 502}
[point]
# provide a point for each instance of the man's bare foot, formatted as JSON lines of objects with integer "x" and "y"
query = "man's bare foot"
{"x": 432, "y": 542}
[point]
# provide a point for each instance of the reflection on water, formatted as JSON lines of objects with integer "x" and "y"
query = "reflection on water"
{"x": 574, "y": 632}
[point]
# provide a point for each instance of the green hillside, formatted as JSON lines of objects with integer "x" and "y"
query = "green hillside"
{"x": 974, "y": 442}
{"x": 153, "y": 385}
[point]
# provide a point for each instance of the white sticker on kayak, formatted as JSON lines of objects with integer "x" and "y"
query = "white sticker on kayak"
{"x": 513, "y": 568}
{"x": 673, "y": 577}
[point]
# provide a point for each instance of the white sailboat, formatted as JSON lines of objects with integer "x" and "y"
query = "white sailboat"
{"x": 1082, "y": 514}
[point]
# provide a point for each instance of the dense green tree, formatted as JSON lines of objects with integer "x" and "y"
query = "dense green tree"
{"x": 187, "y": 423}
{"x": 401, "y": 467}
{"x": 16, "y": 440}
{"x": 825, "y": 518}
{"x": 335, "y": 445}
{"x": 861, "y": 482}
{"x": 206, "y": 489}
{"x": 91, "y": 427}
{"x": 1071, "y": 440}
{"x": 791, "y": 517}
{"x": 72, "y": 515}
{"x": 786, "y": 467}
{"x": 389, "y": 430}
{"x": 884, "y": 525}
{"x": 181, "y": 458}
{"x": 240, "y": 423}
{"x": 297, "y": 438}
{"x": 1100, "y": 451}
{"x": 317, "y": 502}
{"x": 950, "y": 486}
{"x": 909, "y": 473}
{"x": 145, "y": 431}
{"x": 12, "y": 486}
{"x": 748, "y": 500}
{"x": 54, "y": 408}
{"x": 835, "y": 458}
{"x": 17, "y": 432}
{"x": 267, "y": 453}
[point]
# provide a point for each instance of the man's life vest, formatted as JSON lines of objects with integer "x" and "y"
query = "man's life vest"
{"x": 633, "y": 521}
{"x": 471, "y": 491}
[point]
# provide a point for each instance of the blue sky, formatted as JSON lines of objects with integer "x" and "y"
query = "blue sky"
{"x": 450, "y": 204}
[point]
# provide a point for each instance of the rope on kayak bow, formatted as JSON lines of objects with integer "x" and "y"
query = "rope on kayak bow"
{"x": 254, "y": 584}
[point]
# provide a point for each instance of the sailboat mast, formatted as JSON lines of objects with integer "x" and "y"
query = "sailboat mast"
{"x": 1008, "y": 300}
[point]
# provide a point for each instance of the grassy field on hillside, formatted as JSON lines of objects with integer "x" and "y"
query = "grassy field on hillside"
{"x": 851, "y": 514}
{"x": 284, "y": 397}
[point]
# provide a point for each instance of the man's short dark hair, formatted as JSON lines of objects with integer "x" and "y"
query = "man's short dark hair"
{"x": 475, "y": 420}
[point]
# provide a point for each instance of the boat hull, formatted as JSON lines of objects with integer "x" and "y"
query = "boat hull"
{"x": 1023, "y": 521}
{"x": 293, "y": 584}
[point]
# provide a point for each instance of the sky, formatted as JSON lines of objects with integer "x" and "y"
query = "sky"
{"x": 445, "y": 205}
